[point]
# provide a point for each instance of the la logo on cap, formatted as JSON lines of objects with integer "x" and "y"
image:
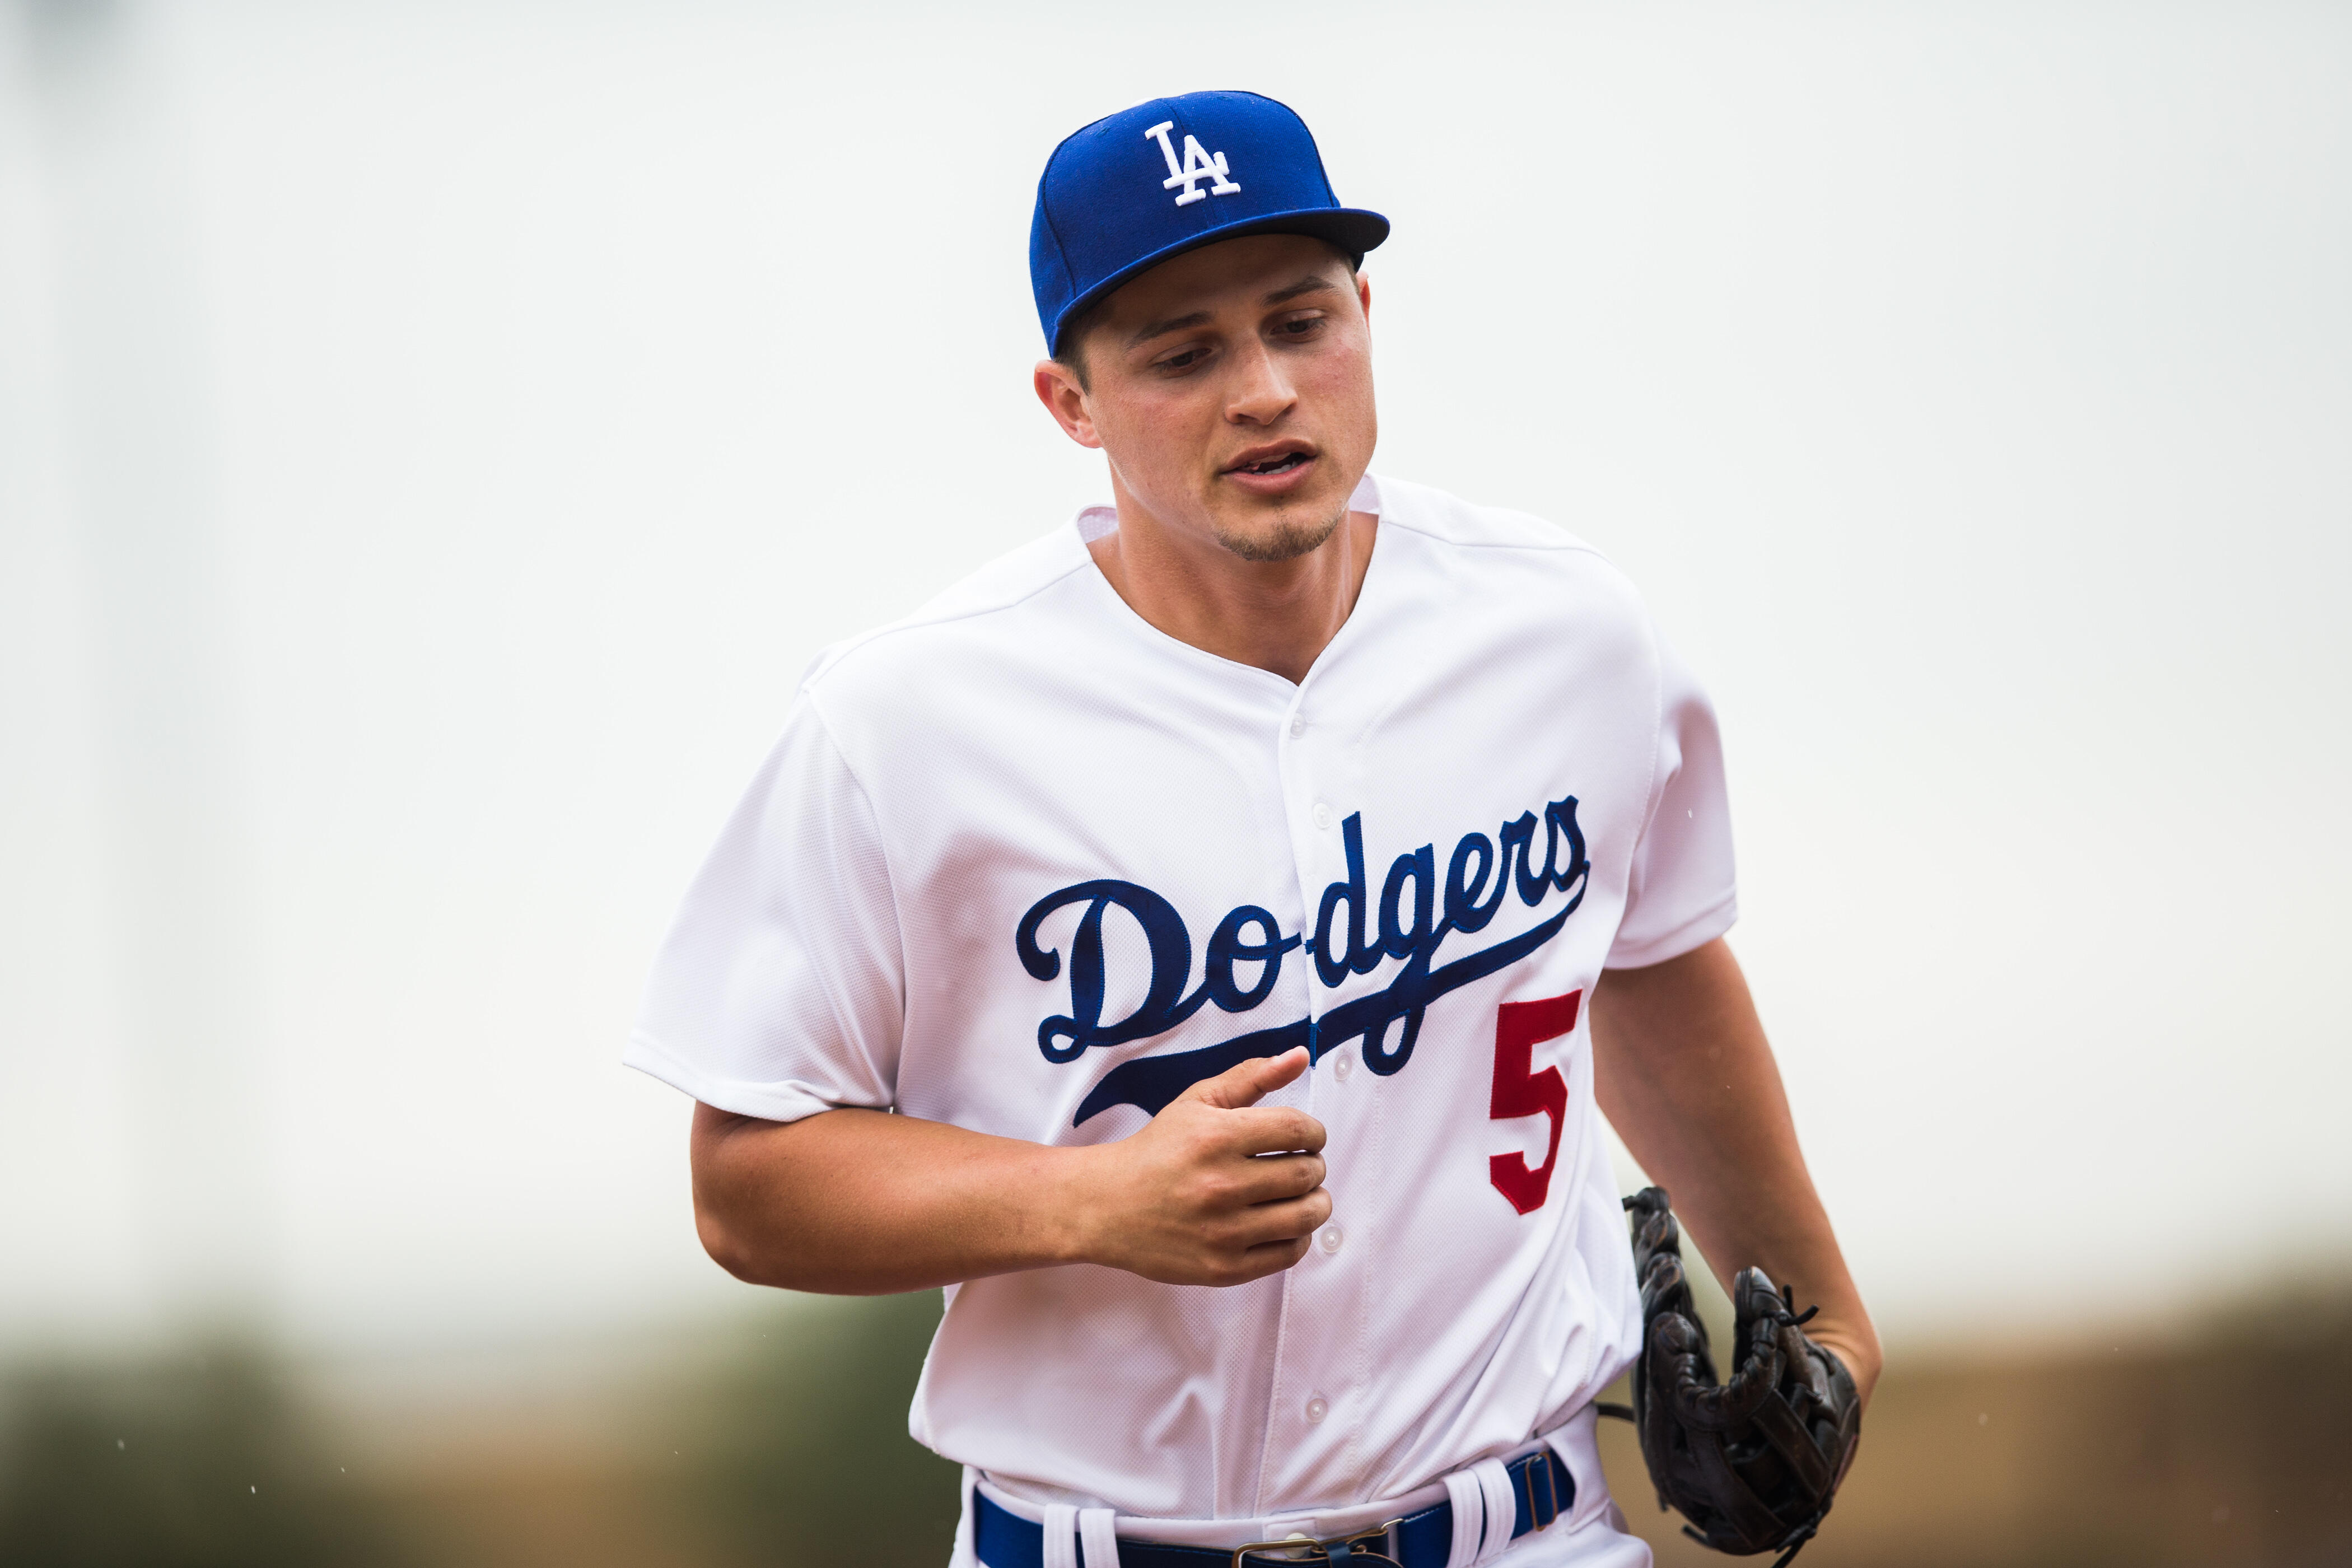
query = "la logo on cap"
{"x": 1198, "y": 166}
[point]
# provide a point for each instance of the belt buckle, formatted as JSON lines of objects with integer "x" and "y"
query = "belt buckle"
{"x": 1302, "y": 1548}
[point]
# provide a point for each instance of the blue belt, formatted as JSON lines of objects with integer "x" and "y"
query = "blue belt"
{"x": 1541, "y": 1490}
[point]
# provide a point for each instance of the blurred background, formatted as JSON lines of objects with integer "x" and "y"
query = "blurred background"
{"x": 433, "y": 437}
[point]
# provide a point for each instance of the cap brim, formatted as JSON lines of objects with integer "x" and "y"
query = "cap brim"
{"x": 1352, "y": 229}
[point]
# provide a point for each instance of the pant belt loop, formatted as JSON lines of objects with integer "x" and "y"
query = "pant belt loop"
{"x": 1498, "y": 1505}
{"x": 1462, "y": 1489}
{"x": 1060, "y": 1546}
{"x": 1097, "y": 1542}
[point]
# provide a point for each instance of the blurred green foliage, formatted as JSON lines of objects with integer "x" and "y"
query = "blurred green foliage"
{"x": 809, "y": 1459}
{"x": 193, "y": 1460}
{"x": 789, "y": 1449}
{"x": 786, "y": 1445}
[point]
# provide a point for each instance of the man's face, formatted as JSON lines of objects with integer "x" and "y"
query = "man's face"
{"x": 1232, "y": 390}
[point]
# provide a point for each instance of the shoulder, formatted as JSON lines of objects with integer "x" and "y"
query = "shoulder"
{"x": 994, "y": 608}
{"x": 1450, "y": 535}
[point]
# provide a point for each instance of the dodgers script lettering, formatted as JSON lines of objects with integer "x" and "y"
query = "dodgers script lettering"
{"x": 1355, "y": 933}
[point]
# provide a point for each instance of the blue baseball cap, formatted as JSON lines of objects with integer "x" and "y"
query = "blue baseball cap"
{"x": 1130, "y": 190}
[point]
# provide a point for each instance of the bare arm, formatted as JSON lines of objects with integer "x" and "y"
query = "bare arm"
{"x": 1217, "y": 1189}
{"x": 1684, "y": 1072}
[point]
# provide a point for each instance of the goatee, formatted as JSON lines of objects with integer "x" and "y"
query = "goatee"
{"x": 1287, "y": 541}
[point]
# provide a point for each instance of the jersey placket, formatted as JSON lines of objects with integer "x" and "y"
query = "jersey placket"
{"x": 1315, "y": 1407}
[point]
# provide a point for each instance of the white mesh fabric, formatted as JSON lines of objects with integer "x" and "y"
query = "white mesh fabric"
{"x": 1681, "y": 893}
{"x": 852, "y": 942}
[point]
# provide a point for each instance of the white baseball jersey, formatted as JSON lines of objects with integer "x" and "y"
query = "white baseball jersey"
{"x": 1025, "y": 864}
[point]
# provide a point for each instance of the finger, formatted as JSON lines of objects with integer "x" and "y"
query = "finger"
{"x": 1245, "y": 1083}
{"x": 1290, "y": 1219}
{"x": 1269, "y": 1130}
{"x": 1231, "y": 1268}
{"x": 1273, "y": 1178}
{"x": 1272, "y": 1257}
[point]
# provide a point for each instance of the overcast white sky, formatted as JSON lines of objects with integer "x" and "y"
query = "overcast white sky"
{"x": 433, "y": 439}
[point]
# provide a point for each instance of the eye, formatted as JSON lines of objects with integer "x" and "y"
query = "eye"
{"x": 1182, "y": 359}
{"x": 1298, "y": 327}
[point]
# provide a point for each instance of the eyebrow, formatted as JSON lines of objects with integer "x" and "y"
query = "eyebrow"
{"x": 1151, "y": 330}
{"x": 1313, "y": 283}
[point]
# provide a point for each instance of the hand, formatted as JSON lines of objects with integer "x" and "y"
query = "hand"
{"x": 1218, "y": 1190}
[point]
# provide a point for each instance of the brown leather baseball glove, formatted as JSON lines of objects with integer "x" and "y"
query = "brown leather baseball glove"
{"x": 1752, "y": 1463}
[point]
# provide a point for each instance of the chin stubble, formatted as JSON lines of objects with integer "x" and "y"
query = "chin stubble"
{"x": 1288, "y": 542}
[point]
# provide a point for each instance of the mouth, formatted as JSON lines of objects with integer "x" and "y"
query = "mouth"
{"x": 1269, "y": 462}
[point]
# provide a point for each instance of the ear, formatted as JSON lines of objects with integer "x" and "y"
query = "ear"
{"x": 1058, "y": 388}
{"x": 1364, "y": 293}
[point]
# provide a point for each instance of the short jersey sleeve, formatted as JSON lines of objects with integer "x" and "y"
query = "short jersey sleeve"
{"x": 779, "y": 992}
{"x": 1681, "y": 893}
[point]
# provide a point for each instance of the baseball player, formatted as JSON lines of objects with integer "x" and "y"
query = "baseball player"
{"x": 1204, "y": 941}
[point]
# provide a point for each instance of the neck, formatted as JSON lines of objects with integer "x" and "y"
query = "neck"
{"x": 1276, "y": 615}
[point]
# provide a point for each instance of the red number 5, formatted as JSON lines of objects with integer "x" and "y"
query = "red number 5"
{"x": 1519, "y": 1028}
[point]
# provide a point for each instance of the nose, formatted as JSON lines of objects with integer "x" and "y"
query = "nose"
{"x": 1261, "y": 393}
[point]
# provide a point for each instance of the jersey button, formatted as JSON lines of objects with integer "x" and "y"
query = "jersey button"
{"x": 1317, "y": 1408}
{"x": 1322, "y": 815}
{"x": 1297, "y": 725}
{"x": 1332, "y": 1236}
{"x": 1345, "y": 1067}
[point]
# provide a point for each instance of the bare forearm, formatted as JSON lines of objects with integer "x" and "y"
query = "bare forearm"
{"x": 862, "y": 1203}
{"x": 1683, "y": 1070}
{"x": 1218, "y": 1190}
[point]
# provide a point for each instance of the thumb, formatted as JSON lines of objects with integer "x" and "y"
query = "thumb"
{"x": 1245, "y": 1083}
